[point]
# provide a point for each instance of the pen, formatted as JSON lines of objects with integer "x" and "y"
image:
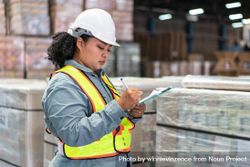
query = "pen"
{"x": 124, "y": 84}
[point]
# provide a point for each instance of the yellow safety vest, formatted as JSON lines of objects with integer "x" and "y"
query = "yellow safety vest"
{"x": 117, "y": 141}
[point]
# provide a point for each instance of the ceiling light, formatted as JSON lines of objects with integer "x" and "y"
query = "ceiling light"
{"x": 237, "y": 25}
{"x": 165, "y": 17}
{"x": 246, "y": 21}
{"x": 233, "y": 5}
{"x": 196, "y": 11}
{"x": 235, "y": 16}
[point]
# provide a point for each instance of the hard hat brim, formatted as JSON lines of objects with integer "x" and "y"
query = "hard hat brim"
{"x": 116, "y": 44}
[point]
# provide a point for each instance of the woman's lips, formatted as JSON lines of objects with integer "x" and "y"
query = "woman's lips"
{"x": 102, "y": 62}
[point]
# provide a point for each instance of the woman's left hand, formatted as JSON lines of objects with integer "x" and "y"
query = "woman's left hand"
{"x": 137, "y": 111}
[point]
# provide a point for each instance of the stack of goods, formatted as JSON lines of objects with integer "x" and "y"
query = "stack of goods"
{"x": 128, "y": 60}
{"x": 124, "y": 60}
{"x": 23, "y": 57}
{"x": 168, "y": 61}
{"x": 21, "y": 122}
{"x": 29, "y": 17}
{"x": 174, "y": 44}
{"x": 244, "y": 63}
{"x": 36, "y": 63}
{"x": 226, "y": 64}
{"x": 204, "y": 38}
{"x": 195, "y": 63}
{"x": 63, "y": 13}
{"x": 11, "y": 56}
{"x": 203, "y": 125}
{"x": 122, "y": 13}
{"x": 2, "y": 18}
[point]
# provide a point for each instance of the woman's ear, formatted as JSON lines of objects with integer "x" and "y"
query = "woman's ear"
{"x": 79, "y": 43}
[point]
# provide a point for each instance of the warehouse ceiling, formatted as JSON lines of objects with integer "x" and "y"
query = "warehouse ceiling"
{"x": 213, "y": 9}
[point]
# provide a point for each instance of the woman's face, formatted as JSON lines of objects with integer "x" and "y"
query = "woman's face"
{"x": 93, "y": 53}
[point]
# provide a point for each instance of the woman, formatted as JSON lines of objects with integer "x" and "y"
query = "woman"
{"x": 92, "y": 121}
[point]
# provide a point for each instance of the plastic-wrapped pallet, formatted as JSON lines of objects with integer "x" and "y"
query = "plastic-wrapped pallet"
{"x": 21, "y": 122}
{"x": 201, "y": 121}
{"x": 182, "y": 148}
{"x": 216, "y": 111}
{"x": 24, "y": 57}
{"x": 37, "y": 65}
{"x": 214, "y": 82}
{"x": 63, "y": 13}
{"x": 26, "y": 17}
{"x": 128, "y": 61}
{"x": 11, "y": 56}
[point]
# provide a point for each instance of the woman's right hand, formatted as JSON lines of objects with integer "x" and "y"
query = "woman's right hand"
{"x": 129, "y": 98}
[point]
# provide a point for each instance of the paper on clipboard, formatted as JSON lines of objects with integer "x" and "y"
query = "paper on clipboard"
{"x": 154, "y": 94}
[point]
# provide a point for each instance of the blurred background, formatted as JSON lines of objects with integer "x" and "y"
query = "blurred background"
{"x": 199, "y": 48}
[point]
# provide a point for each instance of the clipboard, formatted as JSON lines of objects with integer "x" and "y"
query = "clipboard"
{"x": 154, "y": 94}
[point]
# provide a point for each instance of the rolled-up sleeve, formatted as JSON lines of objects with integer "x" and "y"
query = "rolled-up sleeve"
{"x": 69, "y": 116}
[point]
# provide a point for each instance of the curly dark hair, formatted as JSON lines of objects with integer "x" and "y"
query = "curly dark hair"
{"x": 62, "y": 48}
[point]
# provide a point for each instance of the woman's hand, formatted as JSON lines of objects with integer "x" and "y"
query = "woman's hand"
{"x": 137, "y": 111}
{"x": 130, "y": 98}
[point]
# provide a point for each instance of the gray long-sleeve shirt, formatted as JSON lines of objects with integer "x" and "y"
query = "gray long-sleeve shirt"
{"x": 69, "y": 116}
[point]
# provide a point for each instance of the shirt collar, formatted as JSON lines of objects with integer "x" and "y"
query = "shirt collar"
{"x": 83, "y": 67}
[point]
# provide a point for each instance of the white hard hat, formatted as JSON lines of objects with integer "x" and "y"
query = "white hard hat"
{"x": 97, "y": 23}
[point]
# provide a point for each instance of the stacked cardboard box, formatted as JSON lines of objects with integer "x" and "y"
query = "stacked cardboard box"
{"x": 29, "y": 17}
{"x": 244, "y": 63}
{"x": 11, "y": 56}
{"x": 63, "y": 13}
{"x": 205, "y": 39}
{"x": 176, "y": 68}
{"x": 128, "y": 60}
{"x": 37, "y": 64}
{"x": 24, "y": 57}
{"x": 122, "y": 13}
{"x": 168, "y": 61}
{"x": 226, "y": 63}
{"x": 174, "y": 44}
{"x": 195, "y": 63}
{"x": 124, "y": 60}
{"x": 21, "y": 122}
{"x": 2, "y": 18}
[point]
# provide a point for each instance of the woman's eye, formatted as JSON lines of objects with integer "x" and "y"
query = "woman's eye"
{"x": 100, "y": 47}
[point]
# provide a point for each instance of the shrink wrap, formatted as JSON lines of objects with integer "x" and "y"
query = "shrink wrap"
{"x": 214, "y": 82}
{"x": 21, "y": 122}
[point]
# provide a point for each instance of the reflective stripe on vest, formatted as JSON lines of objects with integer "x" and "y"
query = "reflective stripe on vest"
{"x": 110, "y": 144}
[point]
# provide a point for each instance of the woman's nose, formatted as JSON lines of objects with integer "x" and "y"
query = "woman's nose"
{"x": 105, "y": 53}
